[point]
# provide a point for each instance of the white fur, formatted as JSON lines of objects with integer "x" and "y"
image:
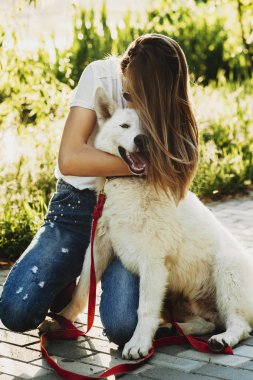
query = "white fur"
{"x": 180, "y": 250}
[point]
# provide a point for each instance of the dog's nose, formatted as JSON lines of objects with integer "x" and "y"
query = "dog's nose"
{"x": 140, "y": 141}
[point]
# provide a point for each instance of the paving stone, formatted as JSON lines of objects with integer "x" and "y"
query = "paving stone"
{"x": 170, "y": 361}
{"x": 23, "y": 370}
{"x": 133, "y": 377}
{"x": 229, "y": 360}
{"x": 82, "y": 318}
{"x": 52, "y": 376}
{"x": 67, "y": 349}
{"x": 20, "y": 353}
{"x": 139, "y": 371}
{"x": 42, "y": 363}
{"x": 247, "y": 365}
{"x": 108, "y": 361}
{"x": 98, "y": 345}
{"x": 71, "y": 365}
{"x": 95, "y": 332}
{"x": 221, "y": 372}
{"x": 34, "y": 346}
{"x": 135, "y": 374}
{"x": 103, "y": 360}
{"x": 172, "y": 350}
{"x": 16, "y": 338}
{"x": 34, "y": 333}
{"x": 244, "y": 350}
{"x": 249, "y": 342}
{"x": 4, "y": 376}
{"x": 163, "y": 373}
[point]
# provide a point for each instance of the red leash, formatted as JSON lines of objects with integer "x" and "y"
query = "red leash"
{"x": 69, "y": 331}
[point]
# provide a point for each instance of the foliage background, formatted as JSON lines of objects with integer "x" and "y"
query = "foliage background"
{"x": 34, "y": 93}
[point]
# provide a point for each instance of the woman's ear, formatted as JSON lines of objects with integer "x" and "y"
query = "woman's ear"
{"x": 104, "y": 105}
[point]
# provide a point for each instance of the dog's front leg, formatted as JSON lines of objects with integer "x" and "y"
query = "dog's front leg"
{"x": 102, "y": 255}
{"x": 153, "y": 281}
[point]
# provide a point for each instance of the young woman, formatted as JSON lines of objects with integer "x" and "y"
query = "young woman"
{"x": 152, "y": 76}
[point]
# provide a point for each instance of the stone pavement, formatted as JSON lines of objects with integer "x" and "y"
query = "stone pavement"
{"x": 20, "y": 356}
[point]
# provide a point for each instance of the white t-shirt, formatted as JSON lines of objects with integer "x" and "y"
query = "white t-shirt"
{"x": 103, "y": 73}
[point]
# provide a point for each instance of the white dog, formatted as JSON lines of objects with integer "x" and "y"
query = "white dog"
{"x": 181, "y": 251}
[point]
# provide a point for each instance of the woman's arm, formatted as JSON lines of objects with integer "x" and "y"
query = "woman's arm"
{"x": 79, "y": 159}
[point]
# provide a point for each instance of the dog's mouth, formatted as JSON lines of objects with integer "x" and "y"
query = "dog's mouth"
{"x": 137, "y": 162}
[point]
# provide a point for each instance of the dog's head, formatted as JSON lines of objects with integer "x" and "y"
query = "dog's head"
{"x": 120, "y": 132}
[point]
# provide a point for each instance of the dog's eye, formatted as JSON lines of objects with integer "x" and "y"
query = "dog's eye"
{"x": 124, "y": 125}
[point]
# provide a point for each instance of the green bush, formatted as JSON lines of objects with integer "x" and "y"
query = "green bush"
{"x": 226, "y": 136}
{"x": 32, "y": 103}
{"x": 201, "y": 28}
{"x": 29, "y": 91}
{"x": 27, "y": 185}
{"x": 200, "y": 34}
{"x": 89, "y": 43}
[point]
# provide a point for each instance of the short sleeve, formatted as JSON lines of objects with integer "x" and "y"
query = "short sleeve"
{"x": 84, "y": 93}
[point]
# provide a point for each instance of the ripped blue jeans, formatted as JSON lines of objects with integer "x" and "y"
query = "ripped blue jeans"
{"x": 54, "y": 259}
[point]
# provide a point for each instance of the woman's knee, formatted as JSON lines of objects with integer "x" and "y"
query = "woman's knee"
{"x": 21, "y": 307}
{"x": 118, "y": 329}
{"x": 18, "y": 317}
{"x": 119, "y": 303}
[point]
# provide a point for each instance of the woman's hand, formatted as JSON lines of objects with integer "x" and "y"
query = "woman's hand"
{"x": 79, "y": 159}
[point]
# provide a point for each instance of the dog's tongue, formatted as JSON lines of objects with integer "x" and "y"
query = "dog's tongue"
{"x": 138, "y": 163}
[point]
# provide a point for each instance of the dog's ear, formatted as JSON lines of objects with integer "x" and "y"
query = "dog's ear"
{"x": 104, "y": 105}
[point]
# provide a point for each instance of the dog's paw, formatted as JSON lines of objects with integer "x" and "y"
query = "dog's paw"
{"x": 49, "y": 325}
{"x": 136, "y": 349}
{"x": 217, "y": 343}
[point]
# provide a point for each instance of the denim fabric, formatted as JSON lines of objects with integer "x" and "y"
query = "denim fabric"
{"x": 119, "y": 302}
{"x": 54, "y": 259}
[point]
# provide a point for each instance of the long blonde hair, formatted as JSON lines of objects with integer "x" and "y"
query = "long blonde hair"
{"x": 155, "y": 70}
